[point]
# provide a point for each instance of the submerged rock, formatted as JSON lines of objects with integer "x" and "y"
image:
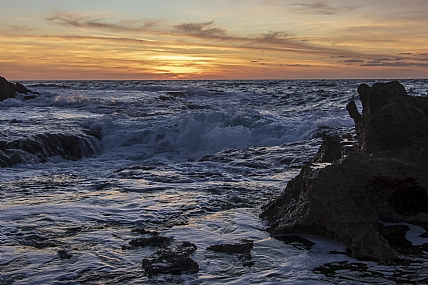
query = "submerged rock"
{"x": 347, "y": 193}
{"x": 172, "y": 261}
{"x": 154, "y": 240}
{"x": 243, "y": 249}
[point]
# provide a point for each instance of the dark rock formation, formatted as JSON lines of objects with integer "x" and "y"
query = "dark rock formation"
{"x": 63, "y": 254}
{"x": 172, "y": 261}
{"x": 296, "y": 241}
{"x": 154, "y": 240}
{"x": 39, "y": 148}
{"x": 6, "y": 89}
{"x": 346, "y": 194}
{"x": 9, "y": 90}
{"x": 243, "y": 249}
{"x": 391, "y": 120}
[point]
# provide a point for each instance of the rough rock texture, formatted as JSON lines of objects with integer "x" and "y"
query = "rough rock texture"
{"x": 172, "y": 261}
{"x": 347, "y": 193}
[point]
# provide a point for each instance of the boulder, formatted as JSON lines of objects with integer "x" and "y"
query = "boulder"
{"x": 348, "y": 193}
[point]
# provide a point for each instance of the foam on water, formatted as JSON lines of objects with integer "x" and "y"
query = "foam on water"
{"x": 196, "y": 167}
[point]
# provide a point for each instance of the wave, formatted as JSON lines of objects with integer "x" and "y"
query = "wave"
{"x": 206, "y": 132}
{"x": 74, "y": 99}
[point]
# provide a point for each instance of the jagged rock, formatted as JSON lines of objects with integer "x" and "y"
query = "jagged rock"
{"x": 9, "y": 90}
{"x": 172, "y": 261}
{"x": 6, "y": 89}
{"x": 390, "y": 120}
{"x": 21, "y": 88}
{"x": 346, "y": 194}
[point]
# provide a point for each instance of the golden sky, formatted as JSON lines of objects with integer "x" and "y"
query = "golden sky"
{"x": 213, "y": 39}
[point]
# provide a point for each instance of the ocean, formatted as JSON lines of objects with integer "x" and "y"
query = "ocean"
{"x": 95, "y": 162}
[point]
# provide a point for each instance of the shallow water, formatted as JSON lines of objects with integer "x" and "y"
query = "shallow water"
{"x": 192, "y": 160}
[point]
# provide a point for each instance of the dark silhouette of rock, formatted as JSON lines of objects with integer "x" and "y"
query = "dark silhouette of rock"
{"x": 172, "y": 261}
{"x": 154, "y": 240}
{"x": 347, "y": 193}
{"x": 296, "y": 241}
{"x": 63, "y": 254}
{"x": 6, "y": 89}
{"x": 243, "y": 249}
{"x": 9, "y": 90}
{"x": 390, "y": 120}
{"x": 40, "y": 147}
{"x": 21, "y": 88}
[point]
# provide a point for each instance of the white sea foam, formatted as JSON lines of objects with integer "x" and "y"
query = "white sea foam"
{"x": 74, "y": 99}
{"x": 255, "y": 136}
{"x": 11, "y": 102}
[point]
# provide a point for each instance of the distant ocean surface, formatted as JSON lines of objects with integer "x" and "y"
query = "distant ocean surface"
{"x": 192, "y": 160}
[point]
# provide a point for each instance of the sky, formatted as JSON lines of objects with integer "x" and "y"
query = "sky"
{"x": 213, "y": 39}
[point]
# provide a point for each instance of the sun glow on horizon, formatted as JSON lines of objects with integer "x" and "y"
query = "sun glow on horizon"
{"x": 220, "y": 40}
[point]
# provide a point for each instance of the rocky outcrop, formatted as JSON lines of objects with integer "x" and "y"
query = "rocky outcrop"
{"x": 349, "y": 193}
{"x": 41, "y": 147}
{"x": 6, "y": 89}
{"x": 9, "y": 90}
{"x": 172, "y": 261}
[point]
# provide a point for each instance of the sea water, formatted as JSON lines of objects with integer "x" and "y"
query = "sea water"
{"x": 191, "y": 160}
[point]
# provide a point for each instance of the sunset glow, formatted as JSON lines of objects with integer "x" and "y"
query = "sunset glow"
{"x": 226, "y": 39}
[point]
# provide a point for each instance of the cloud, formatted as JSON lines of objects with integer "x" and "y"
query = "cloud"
{"x": 96, "y": 22}
{"x": 321, "y": 7}
{"x": 209, "y": 31}
{"x": 395, "y": 64}
{"x": 206, "y": 30}
{"x": 353, "y": 61}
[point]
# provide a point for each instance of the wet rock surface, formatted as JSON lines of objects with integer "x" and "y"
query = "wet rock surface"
{"x": 154, "y": 240}
{"x": 172, "y": 261}
{"x": 243, "y": 249}
{"x": 40, "y": 147}
{"x": 346, "y": 193}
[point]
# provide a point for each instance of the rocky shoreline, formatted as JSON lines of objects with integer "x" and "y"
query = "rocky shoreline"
{"x": 363, "y": 193}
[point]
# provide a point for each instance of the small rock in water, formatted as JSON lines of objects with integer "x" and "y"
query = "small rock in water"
{"x": 154, "y": 240}
{"x": 64, "y": 254}
{"x": 172, "y": 261}
{"x": 243, "y": 249}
